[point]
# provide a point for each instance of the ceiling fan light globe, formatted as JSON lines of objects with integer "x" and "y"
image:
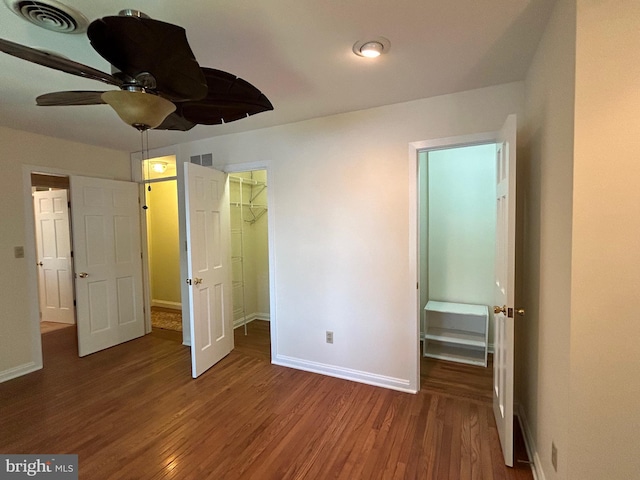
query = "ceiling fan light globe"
{"x": 139, "y": 109}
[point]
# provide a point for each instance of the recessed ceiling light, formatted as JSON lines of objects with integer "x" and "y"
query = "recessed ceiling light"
{"x": 372, "y": 48}
{"x": 159, "y": 167}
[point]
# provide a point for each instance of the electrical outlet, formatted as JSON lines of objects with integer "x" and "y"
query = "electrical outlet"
{"x": 554, "y": 456}
{"x": 329, "y": 337}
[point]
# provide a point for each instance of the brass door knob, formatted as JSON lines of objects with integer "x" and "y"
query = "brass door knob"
{"x": 502, "y": 309}
{"x": 520, "y": 311}
{"x": 83, "y": 274}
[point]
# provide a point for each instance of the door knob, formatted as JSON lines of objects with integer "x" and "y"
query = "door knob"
{"x": 197, "y": 281}
{"x": 83, "y": 274}
{"x": 40, "y": 264}
{"x": 502, "y": 309}
{"x": 520, "y": 311}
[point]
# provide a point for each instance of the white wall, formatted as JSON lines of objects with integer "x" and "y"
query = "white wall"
{"x": 18, "y": 354}
{"x": 579, "y": 381}
{"x": 340, "y": 220}
{"x": 547, "y": 165}
{"x": 543, "y": 353}
{"x": 605, "y": 275}
{"x": 462, "y": 224}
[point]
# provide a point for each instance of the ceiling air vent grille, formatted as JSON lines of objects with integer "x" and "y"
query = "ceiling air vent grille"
{"x": 49, "y": 14}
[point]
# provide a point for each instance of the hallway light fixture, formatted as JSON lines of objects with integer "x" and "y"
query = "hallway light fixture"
{"x": 372, "y": 48}
{"x": 159, "y": 167}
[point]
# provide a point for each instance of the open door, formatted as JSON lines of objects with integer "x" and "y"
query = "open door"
{"x": 209, "y": 262}
{"x": 107, "y": 262}
{"x": 53, "y": 247}
{"x": 503, "y": 357}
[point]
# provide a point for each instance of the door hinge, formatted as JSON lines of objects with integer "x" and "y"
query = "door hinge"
{"x": 186, "y": 247}
{"x": 74, "y": 303}
{"x": 417, "y": 286}
{"x": 71, "y": 253}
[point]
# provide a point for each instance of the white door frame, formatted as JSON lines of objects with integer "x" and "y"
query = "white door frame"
{"x": 414, "y": 216}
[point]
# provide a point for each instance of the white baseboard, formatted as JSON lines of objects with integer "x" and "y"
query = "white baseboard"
{"x": 399, "y": 384}
{"x": 166, "y": 304}
{"x": 19, "y": 371}
{"x": 238, "y": 322}
{"x": 530, "y": 444}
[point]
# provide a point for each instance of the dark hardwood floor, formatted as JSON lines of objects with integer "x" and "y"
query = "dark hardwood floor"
{"x": 133, "y": 412}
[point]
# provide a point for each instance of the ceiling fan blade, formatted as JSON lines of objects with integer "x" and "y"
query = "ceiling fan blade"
{"x": 229, "y": 98}
{"x": 175, "y": 121}
{"x": 56, "y": 62}
{"x": 78, "y": 97}
{"x": 138, "y": 45}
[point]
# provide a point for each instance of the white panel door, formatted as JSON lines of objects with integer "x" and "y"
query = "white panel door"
{"x": 209, "y": 261}
{"x": 53, "y": 245}
{"x": 503, "y": 357}
{"x": 107, "y": 262}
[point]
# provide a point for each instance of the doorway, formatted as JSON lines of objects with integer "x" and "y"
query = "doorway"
{"x": 56, "y": 302}
{"x": 163, "y": 245}
{"x": 502, "y": 313}
{"x": 457, "y": 224}
{"x": 248, "y": 203}
{"x": 250, "y": 252}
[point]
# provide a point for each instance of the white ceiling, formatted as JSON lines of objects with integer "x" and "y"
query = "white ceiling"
{"x": 297, "y": 52}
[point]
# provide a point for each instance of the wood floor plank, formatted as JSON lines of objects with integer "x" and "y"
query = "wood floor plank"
{"x": 134, "y": 412}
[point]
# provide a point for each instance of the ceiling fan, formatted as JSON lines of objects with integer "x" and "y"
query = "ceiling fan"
{"x": 161, "y": 85}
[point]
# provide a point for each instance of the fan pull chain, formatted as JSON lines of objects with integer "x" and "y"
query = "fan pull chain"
{"x": 143, "y": 134}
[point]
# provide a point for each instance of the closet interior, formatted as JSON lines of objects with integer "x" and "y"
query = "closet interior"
{"x": 457, "y": 251}
{"x": 249, "y": 247}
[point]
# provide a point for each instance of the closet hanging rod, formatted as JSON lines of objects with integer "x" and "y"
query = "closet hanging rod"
{"x": 250, "y": 205}
{"x": 246, "y": 180}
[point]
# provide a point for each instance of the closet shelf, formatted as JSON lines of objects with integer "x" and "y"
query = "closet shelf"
{"x": 457, "y": 308}
{"x": 456, "y": 353}
{"x": 456, "y": 332}
{"x": 460, "y": 337}
{"x": 256, "y": 211}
